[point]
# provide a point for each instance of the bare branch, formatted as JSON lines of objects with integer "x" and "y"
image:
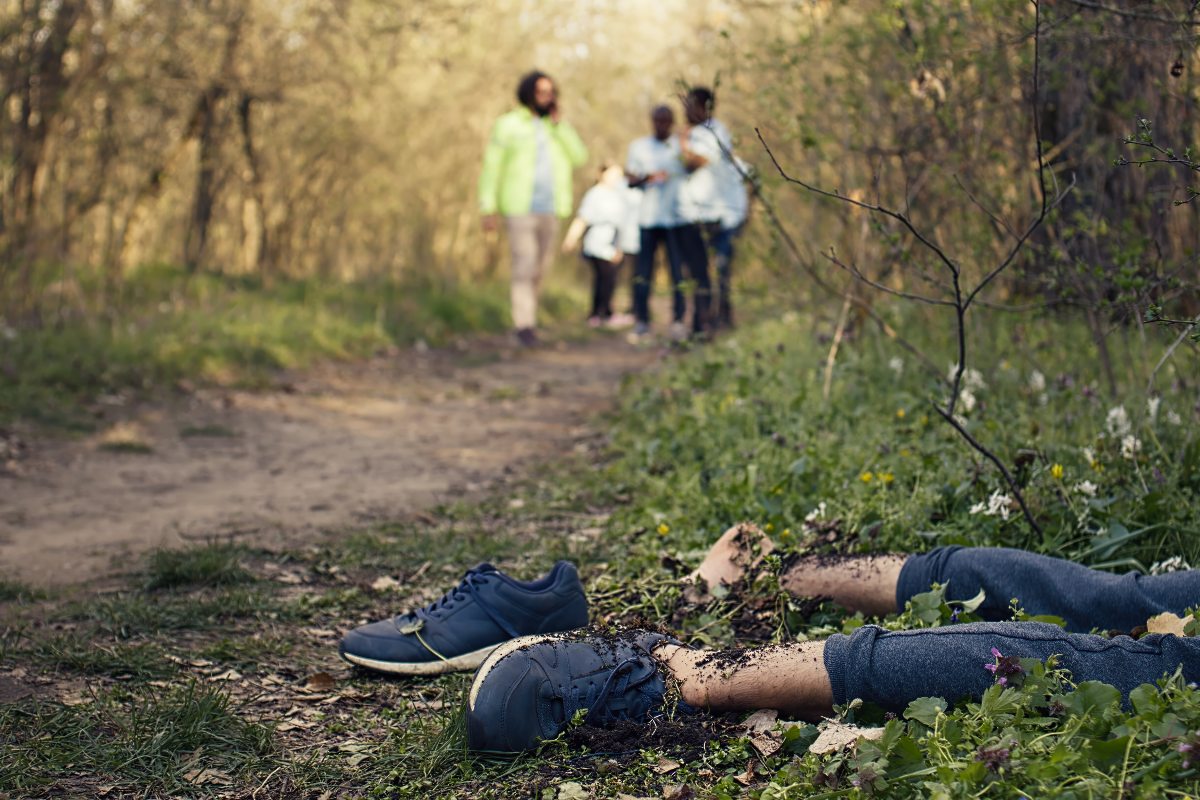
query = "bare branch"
{"x": 990, "y": 456}
{"x": 1127, "y": 14}
{"x": 896, "y": 215}
{"x": 856, "y": 272}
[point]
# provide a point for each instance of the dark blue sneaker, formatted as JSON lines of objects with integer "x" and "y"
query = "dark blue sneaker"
{"x": 531, "y": 688}
{"x": 458, "y": 631}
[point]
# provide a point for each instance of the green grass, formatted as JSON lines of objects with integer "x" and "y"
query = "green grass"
{"x": 161, "y": 327}
{"x": 82, "y": 654}
{"x": 203, "y": 566}
{"x": 153, "y": 740}
{"x": 130, "y": 614}
{"x": 134, "y": 448}
{"x": 16, "y": 592}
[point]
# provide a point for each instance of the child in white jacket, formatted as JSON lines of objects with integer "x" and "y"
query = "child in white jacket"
{"x": 602, "y": 217}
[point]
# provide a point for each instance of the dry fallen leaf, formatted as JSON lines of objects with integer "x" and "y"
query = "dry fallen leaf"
{"x": 679, "y": 791}
{"x": 760, "y": 729}
{"x": 385, "y": 584}
{"x": 227, "y": 675}
{"x": 665, "y": 765}
{"x": 319, "y": 682}
{"x": 747, "y": 777}
{"x": 1166, "y": 622}
{"x": 837, "y": 735}
{"x": 206, "y": 776}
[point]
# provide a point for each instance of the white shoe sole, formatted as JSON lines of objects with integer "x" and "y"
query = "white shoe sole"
{"x": 457, "y": 664}
{"x": 503, "y": 649}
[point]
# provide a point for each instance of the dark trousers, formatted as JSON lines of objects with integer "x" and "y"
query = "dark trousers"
{"x": 643, "y": 276}
{"x": 604, "y": 284}
{"x": 894, "y": 668}
{"x": 721, "y": 241}
{"x": 694, "y": 253}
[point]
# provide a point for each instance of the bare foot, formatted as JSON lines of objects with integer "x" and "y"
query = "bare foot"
{"x": 739, "y": 549}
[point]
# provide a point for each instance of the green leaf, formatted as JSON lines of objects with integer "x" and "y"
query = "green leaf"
{"x": 1145, "y": 699}
{"x": 1107, "y": 753}
{"x": 1092, "y": 696}
{"x": 925, "y": 710}
{"x": 974, "y": 603}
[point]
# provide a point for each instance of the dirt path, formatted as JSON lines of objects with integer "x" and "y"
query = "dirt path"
{"x": 338, "y": 447}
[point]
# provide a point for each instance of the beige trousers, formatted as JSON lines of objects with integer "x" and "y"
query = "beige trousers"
{"x": 531, "y": 239}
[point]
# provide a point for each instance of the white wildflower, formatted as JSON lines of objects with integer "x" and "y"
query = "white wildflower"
{"x": 1172, "y": 564}
{"x": 1152, "y": 404}
{"x": 1086, "y": 487}
{"x": 998, "y": 505}
{"x": 1089, "y": 455}
{"x": 972, "y": 378}
{"x": 1174, "y": 418}
{"x": 1117, "y": 422}
{"x": 1037, "y": 382}
{"x": 1130, "y": 446}
{"x": 967, "y": 399}
{"x": 817, "y": 513}
{"x": 896, "y": 365}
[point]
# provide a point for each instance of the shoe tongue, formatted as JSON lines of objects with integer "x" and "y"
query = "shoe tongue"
{"x": 485, "y": 567}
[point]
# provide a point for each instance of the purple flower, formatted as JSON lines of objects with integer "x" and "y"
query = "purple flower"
{"x": 1004, "y": 667}
{"x": 994, "y": 757}
{"x": 954, "y": 616}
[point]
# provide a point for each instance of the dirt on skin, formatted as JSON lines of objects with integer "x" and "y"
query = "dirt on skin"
{"x": 336, "y": 447}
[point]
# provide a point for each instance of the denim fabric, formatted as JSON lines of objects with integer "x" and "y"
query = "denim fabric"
{"x": 643, "y": 277}
{"x": 721, "y": 240}
{"x": 694, "y": 253}
{"x": 1085, "y": 598}
{"x": 894, "y": 668}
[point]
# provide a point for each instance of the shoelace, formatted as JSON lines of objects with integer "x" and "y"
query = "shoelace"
{"x": 475, "y": 577}
{"x": 599, "y": 708}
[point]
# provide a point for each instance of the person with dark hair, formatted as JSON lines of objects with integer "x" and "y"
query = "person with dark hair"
{"x": 654, "y": 168}
{"x": 714, "y": 197}
{"x": 526, "y": 178}
{"x": 531, "y": 688}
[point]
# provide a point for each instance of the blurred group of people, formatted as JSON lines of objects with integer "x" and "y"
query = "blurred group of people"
{"x": 682, "y": 190}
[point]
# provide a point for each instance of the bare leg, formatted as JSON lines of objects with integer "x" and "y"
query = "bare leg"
{"x": 788, "y": 677}
{"x": 860, "y": 583}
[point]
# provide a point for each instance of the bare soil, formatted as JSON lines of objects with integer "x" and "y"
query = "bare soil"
{"x": 334, "y": 448}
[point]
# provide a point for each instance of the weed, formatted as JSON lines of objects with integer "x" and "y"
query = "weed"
{"x": 207, "y": 565}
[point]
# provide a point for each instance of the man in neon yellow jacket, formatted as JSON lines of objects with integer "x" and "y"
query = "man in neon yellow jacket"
{"x": 526, "y": 178}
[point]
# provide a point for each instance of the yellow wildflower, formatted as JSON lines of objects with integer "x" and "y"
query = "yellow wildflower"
{"x": 900, "y": 413}
{"x": 867, "y": 476}
{"x": 905, "y": 452}
{"x": 887, "y": 477}
{"x": 1056, "y": 472}
{"x": 768, "y": 527}
{"x": 663, "y": 529}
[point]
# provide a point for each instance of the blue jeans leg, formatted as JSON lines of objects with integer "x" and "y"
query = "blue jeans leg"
{"x": 892, "y": 669}
{"x": 1085, "y": 598}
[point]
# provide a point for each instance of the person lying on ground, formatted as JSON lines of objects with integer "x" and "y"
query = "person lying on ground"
{"x": 530, "y": 689}
{"x": 627, "y": 675}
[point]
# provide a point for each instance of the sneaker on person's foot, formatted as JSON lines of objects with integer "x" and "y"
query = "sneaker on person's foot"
{"x": 457, "y": 631}
{"x": 618, "y": 321}
{"x": 531, "y": 688}
{"x": 527, "y": 337}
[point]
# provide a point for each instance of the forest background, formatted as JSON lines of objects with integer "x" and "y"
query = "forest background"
{"x": 164, "y": 163}
{"x": 209, "y": 191}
